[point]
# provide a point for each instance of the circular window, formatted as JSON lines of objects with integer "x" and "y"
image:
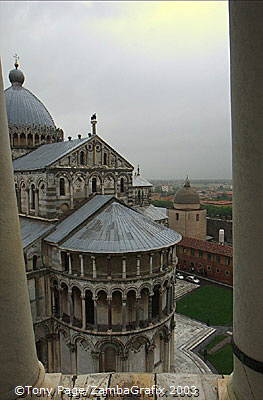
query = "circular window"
{"x": 90, "y": 147}
{"x": 98, "y": 147}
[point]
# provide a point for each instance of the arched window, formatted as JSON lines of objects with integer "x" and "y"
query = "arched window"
{"x": 105, "y": 159}
{"x": 81, "y": 158}
{"x": 33, "y": 200}
{"x": 122, "y": 185}
{"x": 94, "y": 185}
{"x": 62, "y": 187}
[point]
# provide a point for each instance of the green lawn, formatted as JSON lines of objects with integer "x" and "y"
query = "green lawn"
{"x": 211, "y": 304}
{"x": 215, "y": 341}
{"x": 222, "y": 360}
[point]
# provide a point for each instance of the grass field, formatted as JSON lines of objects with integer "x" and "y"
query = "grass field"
{"x": 210, "y": 304}
{"x": 222, "y": 360}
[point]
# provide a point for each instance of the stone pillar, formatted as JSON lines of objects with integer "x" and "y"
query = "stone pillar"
{"x": 109, "y": 313}
{"x": 137, "y": 312}
{"x": 123, "y": 267}
{"x": 151, "y": 263}
{"x": 161, "y": 261}
{"x": 95, "y": 299}
{"x": 19, "y": 364}
{"x": 81, "y": 265}
{"x": 160, "y": 303}
{"x": 70, "y": 307}
{"x": 150, "y": 306}
{"x": 124, "y": 312}
{"x": 69, "y": 264}
{"x": 246, "y": 58}
{"x": 83, "y": 310}
{"x": 28, "y": 200}
{"x": 138, "y": 265}
{"x": 150, "y": 358}
{"x": 36, "y": 194}
{"x": 94, "y": 270}
{"x": 71, "y": 194}
{"x": 60, "y": 303}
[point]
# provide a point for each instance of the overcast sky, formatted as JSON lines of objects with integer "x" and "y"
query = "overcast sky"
{"x": 156, "y": 74}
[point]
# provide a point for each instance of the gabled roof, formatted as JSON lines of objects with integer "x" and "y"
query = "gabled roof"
{"x": 210, "y": 247}
{"x": 119, "y": 229}
{"x": 65, "y": 227}
{"x": 46, "y": 155}
{"x": 32, "y": 229}
{"x": 139, "y": 181}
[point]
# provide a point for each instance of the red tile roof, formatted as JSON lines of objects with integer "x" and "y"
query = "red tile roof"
{"x": 210, "y": 247}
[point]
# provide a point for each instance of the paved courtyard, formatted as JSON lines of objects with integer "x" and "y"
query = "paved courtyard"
{"x": 189, "y": 333}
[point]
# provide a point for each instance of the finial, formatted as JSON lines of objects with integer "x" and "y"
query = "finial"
{"x": 138, "y": 170}
{"x": 93, "y": 120}
{"x": 187, "y": 182}
{"x": 16, "y": 57}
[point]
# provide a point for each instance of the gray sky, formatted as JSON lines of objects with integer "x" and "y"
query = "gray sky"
{"x": 156, "y": 73}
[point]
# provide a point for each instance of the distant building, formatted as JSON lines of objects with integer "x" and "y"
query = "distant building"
{"x": 211, "y": 260}
{"x": 165, "y": 188}
{"x": 187, "y": 217}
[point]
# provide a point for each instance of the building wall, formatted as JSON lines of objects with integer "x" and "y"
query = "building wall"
{"x": 213, "y": 226}
{"x": 190, "y": 223}
{"x": 214, "y": 266}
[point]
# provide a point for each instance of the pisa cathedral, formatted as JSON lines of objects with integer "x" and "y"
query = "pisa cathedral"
{"x": 100, "y": 260}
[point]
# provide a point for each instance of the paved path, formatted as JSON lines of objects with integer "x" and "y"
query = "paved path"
{"x": 189, "y": 334}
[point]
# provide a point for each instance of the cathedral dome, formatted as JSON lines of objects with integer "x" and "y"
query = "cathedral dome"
{"x": 23, "y": 107}
{"x": 187, "y": 194}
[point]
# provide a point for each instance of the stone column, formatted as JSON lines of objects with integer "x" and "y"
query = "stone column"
{"x": 71, "y": 194}
{"x": 109, "y": 313}
{"x": 95, "y": 299}
{"x": 160, "y": 303}
{"x": 151, "y": 263}
{"x": 36, "y": 194}
{"x": 123, "y": 267}
{"x": 246, "y": 58}
{"x": 150, "y": 358}
{"x": 161, "y": 261}
{"x": 70, "y": 307}
{"x": 69, "y": 264}
{"x": 137, "y": 312}
{"x": 81, "y": 265}
{"x": 124, "y": 312}
{"x": 83, "y": 310}
{"x": 150, "y": 302}
{"x": 60, "y": 303}
{"x": 138, "y": 265}
{"x": 94, "y": 270}
{"x": 19, "y": 364}
{"x": 28, "y": 200}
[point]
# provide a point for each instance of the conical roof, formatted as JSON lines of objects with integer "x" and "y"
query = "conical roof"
{"x": 120, "y": 229}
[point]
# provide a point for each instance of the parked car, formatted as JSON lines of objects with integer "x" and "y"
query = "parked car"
{"x": 179, "y": 275}
{"x": 192, "y": 278}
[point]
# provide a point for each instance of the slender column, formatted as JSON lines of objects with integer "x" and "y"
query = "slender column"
{"x": 69, "y": 264}
{"x": 151, "y": 263}
{"x": 36, "y": 194}
{"x": 150, "y": 358}
{"x": 81, "y": 265}
{"x": 160, "y": 303}
{"x": 83, "y": 309}
{"x": 70, "y": 307}
{"x": 19, "y": 364}
{"x": 18, "y": 139}
{"x": 94, "y": 270}
{"x": 53, "y": 305}
{"x": 95, "y": 300}
{"x": 123, "y": 267}
{"x": 150, "y": 306}
{"x": 28, "y": 200}
{"x": 60, "y": 303}
{"x": 71, "y": 194}
{"x": 109, "y": 312}
{"x": 161, "y": 261}
{"x": 138, "y": 265}
{"x": 246, "y": 57}
{"x": 109, "y": 267}
{"x": 124, "y": 312}
{"x": 167, "y": 292}
{"x": 137, "y": 311}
